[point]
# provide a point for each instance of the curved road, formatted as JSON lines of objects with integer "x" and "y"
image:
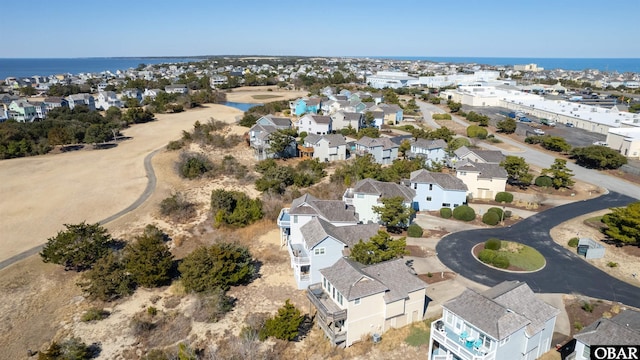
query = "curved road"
{"x": 151, "y": 185}
{"x": 565, "y": 272}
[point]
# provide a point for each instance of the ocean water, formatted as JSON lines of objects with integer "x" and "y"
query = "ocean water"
{"x": 621, "y": 65}
{"x": 44, "y": 67}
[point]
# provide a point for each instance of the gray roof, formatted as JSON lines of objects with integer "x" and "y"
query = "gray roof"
{"x": 384, "y": 189}
{"x": 368, "y": 142}
{"x": 352, "y": 115}
{"x": 353, "y": 281}
{"x": 487, "y": 171}
{"x": 488, "y": 156}
{"x": 622, "y": 329}
{"x": 279, "y": 121}
{"x": 330, "y": 210}
{"x": 333, "y": 139}
{"x": 321, "y": 119}
{"x": 430, "y": 144}
{"x": 445, "y": 181}
{"x": 503, "y": 309}
{"x": 316, "y": 230}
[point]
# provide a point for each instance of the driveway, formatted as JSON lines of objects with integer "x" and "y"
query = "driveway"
{"x": 565, "y": 272}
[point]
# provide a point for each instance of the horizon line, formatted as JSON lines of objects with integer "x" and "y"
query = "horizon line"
{"x": 308, "y": 56}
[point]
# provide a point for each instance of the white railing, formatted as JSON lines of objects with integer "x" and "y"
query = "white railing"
{"x": 457, "y": 348}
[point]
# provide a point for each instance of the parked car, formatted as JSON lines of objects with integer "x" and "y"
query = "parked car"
{"x": 568, "y": 124}
{"x": 547, "y": 122}
{"x": 600, "y": 143}
{"x": 525, "y": 119}
{"x": 512, "y": 115}
{"x": 538, "y": 132}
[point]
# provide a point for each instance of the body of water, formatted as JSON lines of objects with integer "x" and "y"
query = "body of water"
{"x": 239, "y": 105}
{"x": 620, "y": 65}
{"x": 45, "y": 67}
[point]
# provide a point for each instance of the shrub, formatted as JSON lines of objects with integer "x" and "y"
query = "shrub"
{"x": 212, "y": 306}
{"x": 464, "y": 213}
{"x": 493, "y": 244}
{"x": 587, "y": 306}
{"x": 177, "y": 207}
{"x": 578, "y": 325}
{"x": 612, "y": 264}
{"x": 501, "y": 261}
{"x": 491, "y": 218}
{"x": 192, "y": 166}
{"x": 414, "y": 230}
{"x": 78, "y": 247}
{"x": 544, "y": 181}
{"x": 573, "y": 242}
{"x": 476, "y": 131}
{"x": 175, "y": 145}
{"x": 504, "y": 196}
{"x": 152, "y": 311}
{"x": 487, "y": 256}
{"x": 72, "y": 348}
{"x": 445, "y": 213}
{"x": 234, "y": 208}
{"x": 285, "y": 325}
{"x": 94, "y": 314}
{"x": 496, "y": 210}
{"x": 441, "y": 116}
{"x": 507, "y": 214}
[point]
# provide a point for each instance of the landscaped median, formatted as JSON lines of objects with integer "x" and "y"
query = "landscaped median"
{"x": 509, "y": 255}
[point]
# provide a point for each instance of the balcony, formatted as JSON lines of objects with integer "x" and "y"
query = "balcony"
{"x": 449, "y": 340}
{"x": 335, "y": 335}
{"x": 298, "y": 255}
{"x": 305, "y": 151}
{"x": 284, "y": 220}
{"x": 328, "y": 311}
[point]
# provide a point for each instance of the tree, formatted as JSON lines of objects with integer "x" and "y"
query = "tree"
{"x": 507, "y": 126}
{"x": 560, "y": 174}
{"x": 148, "y": 259}
{"x": 393, "y": 213}
{"x": 404, "y": 147}
{"x": 457, "y": 143}
{"x": 623, "y": 224}
{"x": 218, "y": 266}
{"x": 476, "y": 131}
{"x": 280, "y": 140}
{"x": 379, "y": 248}
{"x": 137, "y": 115}
{"x": 97, "y": 133}
{"x": 454, "y": 106}
{"x": 555, "y": 143}
{"x": 598, "y": 157}
{"x": 234, "y": 208}
{"x": 60, "y": 136}
{"x": 108, "y": 280}
{"x": 71, "y": 349}
{"x": 285, "y": 325}
{"x": 78, "y": 247}
{"x": 517, "y": 170}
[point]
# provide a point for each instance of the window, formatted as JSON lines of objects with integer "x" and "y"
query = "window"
{"x": 360, "y": 196}
{"x": 446, "y": 205}
{"x": 456, "y": 205}
{"x": 324, "y": 282}
{"x": 428, "y": 198}
{"x": 415, "y": 186}
{"x": 340, "y": 298}
{"x": 318, "y": 251}
{"x": 463, "y": 173}
{"x": 356, "y": 301}
{"x": 505, "y": 340}
{"x": 295, "y": 219}
{"x": 586, "y": 352}
{"x": 430, "y": 187}
{"x": 448, "y": 318}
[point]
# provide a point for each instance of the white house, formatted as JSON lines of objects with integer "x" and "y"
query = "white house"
{"x": 329, "y": 147}
{"x": 353, "y": 301}
{"x": 176, "y": 89}
{"x": 430, "y": 150}
{"x": 383, "y": 150}
{"x": 391, "y": 79}
{"x": 622, "y": 329}
{"x": 434, "y": 191}
{"x": 505, "y": 322}
{"x": 464, "y": 154}
{"x": 367, "y": 193}
{"x": 315, "y": 124}
{"x": 483, "y": 181}
{"x": 107, "y": 99}
{"x": 81, "y": 99}
{"x": 217, "y": 80}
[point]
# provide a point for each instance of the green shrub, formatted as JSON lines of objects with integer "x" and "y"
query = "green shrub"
{"x": 464, "y": 213}
{"x": 192, "y": 166}
{"x": 94, "y": 314}
{"x": 487, "y": 256}
{"x": 445, "y": 213}
{"x": 491, "y": 218}
{"x": 493, "y": 244}
{"x": 476, "y": 131}
{"x": 152, "y": 311}
{"x": 612, "y": 264}
{"x": 501, "y": 261}
{"x": 587, "y": 306}
{"x": 285, "y": 325}
{"x": 504, "y": 196}
{"x": 573, "y": 242}
{"x": 175, "y": 145}
{"x": 507, "y": 214}
{"x": 441, "y": 116}
{"x": 496, "y": 210}
{"x": 578, "y": 325}
{"x": 544, "y": 181}
{"x": 414, "y": 230}
{"x": 177, "y": 207}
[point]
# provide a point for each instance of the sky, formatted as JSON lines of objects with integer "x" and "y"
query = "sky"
{"x": 463, "y": 28}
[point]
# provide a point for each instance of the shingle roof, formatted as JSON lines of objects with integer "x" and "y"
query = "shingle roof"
{"x": 353, "y": 281}
{"x": 317, "y": 230}
{"x": 503, "y": 309}
{"x": 487, "y": 171}
{"x": 386, "y": 143}
{"x": 352, "y": 115}
{"x": 331, "y": 210}
{"x": 622, "y": 329}
{"x": 488, "y": 156}
{"x": 384, "y": 189}
{"x": 430, "y": 144}
{"x": 445, "y": 181}
{"x": 321, "y": 119}
{"x": 279, "y": 121}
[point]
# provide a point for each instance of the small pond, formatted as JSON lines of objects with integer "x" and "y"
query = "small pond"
{"x": 239, "y": 105}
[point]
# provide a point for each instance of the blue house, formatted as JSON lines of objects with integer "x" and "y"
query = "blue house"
{"x": 305, "y": 106}
{"x": 430, "y": 150}
{"x": 436, "y": 190}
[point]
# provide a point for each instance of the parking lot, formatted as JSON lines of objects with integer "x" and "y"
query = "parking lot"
{"x": 575, "y": 137}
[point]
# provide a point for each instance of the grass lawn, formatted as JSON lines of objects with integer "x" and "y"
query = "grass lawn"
{"x": 263, "y": 97}
{"x": 522, "y": 256}
{"x": 418, "y": 336}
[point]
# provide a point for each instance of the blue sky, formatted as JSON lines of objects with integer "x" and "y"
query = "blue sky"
{"x": 472, "y": 28}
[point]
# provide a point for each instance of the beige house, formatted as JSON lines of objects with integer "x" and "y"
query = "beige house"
{"x": 483, "y": 181}
{"x": 354, "y": 302}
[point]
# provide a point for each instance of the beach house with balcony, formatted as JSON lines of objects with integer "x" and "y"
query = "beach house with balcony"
{"x": 353, "y": 301}
{"x": 464, "y": 155}
{"x": 383, "y": 150}
{"x": 305, "y": 106}
{"x": 22, "y": 111}
{"x": 367, "y": 193}
{"x": 430, "y": 150}
{"x": 81, "y": 100}
{"x": 505, "y": 322}
{"x": 329, "y": 147}
{"x": 345, "y": 120}
{"x": 261, "y": 131}
{"x": 483, "y": 181}
{"x": 107, "y": 99}
{"x": 622, "y": 329}
{"x": 315, "y": 124}
{"x": 434, "y": 191}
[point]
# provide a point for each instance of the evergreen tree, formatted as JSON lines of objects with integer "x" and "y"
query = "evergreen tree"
{"x": 393, "y": 213}
{"x": 623, "y": 224}
{"x": 78, "y": 247}
{"x": 148, "y": 259}
{"x": 560, "y": 174}
{"x": 379, "y": 248}
{"x": 285, "y": 325}
{"x": 108, "y": 280}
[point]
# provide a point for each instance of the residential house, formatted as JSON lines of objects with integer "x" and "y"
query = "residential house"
{"x": 4, "y": 112}
{"x": 133, "y": 93}
{"x": 81, "y": 99}
{"x": 383, "y": 150}
{"x": 430, "y": 150}
{"x": 434, "y": 191}
{"x": 53, "y": 102}
{"x": 176, "y": 89}
{"x": 305, "y": 106}
{"x": 346, "y": 120}
{"x": 483, "y": 181}
{"x": 217, "y": 80}
{"x": 22, "y": 111}
{"x": 328, "y": 147}
{"x": 505, "y": 322}
{"x": 368, "y": 193}
{"x": 392, "y": 113}
{"x": 41, "y": 109}
{"x": 261, "y": 131}
{"x": 622, "y": 329}
{"x": 107, "y": 99}
{"x": 315, "y": 124}
{"x": 151, "y": 93}
{"x": 464, "y": 154}
{"x": 8, "y": 98}
{"x": 353, "y": 301}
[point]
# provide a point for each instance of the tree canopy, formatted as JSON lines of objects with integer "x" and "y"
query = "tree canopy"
{"x": 393, "y": 213}
{"x": 234, "y": 208}
{"x": 148, "y": 258}
{"x": 285, "y": 325}
{"x": 517, "y": 170}
{"x": 78, "y": 247}
{"x": 379, "y": 248}
{"x": 598, "y": 157}
{"x": 560, "y": 174}
{"x": 108, "y": 280}
{"x": 623, "y": 224}
{"x": 507, "y": 126}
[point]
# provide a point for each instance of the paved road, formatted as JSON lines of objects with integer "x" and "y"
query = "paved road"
{"x": 565, "y": 272}
{"x": 151, "y": 186}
